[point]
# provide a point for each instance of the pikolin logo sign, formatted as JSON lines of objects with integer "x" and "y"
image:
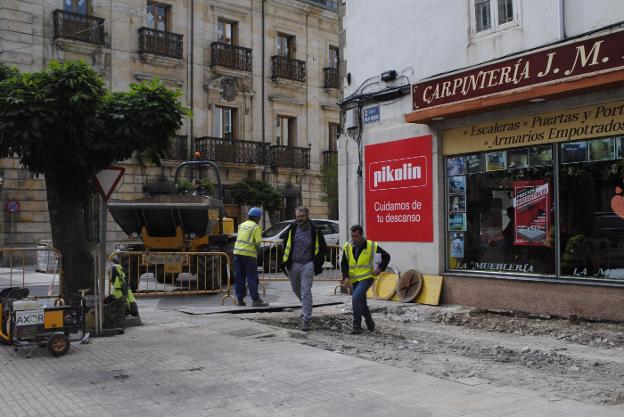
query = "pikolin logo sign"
{"x": 398, "y": 173}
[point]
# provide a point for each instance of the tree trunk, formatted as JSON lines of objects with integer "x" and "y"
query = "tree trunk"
{"x": 66, "y": 202}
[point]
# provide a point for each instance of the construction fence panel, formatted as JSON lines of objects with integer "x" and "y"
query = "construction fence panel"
{"x": 271, "y": 268}
{"x": 38, "y": 268}
{"x": 174, "y": 273}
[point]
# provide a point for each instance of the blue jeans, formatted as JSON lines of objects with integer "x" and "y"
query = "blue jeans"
{"x": 358, "y": 302}
{"x": 246, "y": 270}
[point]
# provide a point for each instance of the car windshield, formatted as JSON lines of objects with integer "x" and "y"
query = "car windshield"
{"x": 274, "y": 229}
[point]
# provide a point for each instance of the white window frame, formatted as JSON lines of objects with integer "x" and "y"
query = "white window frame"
{"x": 493, "y": 18}
{"x": 224, "y": 122}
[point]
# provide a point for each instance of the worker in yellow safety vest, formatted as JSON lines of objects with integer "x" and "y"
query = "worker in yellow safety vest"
{"x": 359, "y": 269}
{"x": 121, "y": 290}
{"x": 248, "y": 242}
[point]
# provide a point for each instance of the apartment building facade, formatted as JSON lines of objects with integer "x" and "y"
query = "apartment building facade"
{"x": 260, "y": 76}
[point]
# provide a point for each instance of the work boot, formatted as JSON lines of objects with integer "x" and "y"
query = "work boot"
{"x": 241, "y": 302}
{"x": 357, "y": 330}
{"x": 370, "y": 325}
{"x": 259, "y": 303}
{"x": 305, "y": 327}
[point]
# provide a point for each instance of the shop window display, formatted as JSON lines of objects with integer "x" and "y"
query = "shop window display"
{"x": 500, "y": 212}
{"x": 592, "y": 209}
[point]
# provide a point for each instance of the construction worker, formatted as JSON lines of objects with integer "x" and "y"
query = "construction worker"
{"x": 359, "y": 269}
{"x": 246, "y": 248}
{"x": 121, "y": 290}
{"x": 304, "y": 255}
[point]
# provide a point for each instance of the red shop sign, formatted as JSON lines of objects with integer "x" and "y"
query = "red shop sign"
{"x": 399, "y": 196}
{"x": 548, "y": 65}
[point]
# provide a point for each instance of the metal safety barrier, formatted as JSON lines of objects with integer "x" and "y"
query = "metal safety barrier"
{"x": 271, "y": 267}
{"x": 43, "y": 278}
{"x": 175, "y": 273}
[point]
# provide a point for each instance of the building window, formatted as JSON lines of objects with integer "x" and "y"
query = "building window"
{"x": 285, "y": 46}
{"x": 334, "y": 56}
{"x": 334, "y": 133}
{"x": 501, "y": 210}
{"x": 286, "y": 131}
{"x": 227, "y": 32}
{"x": 492, "y": 15}
{"x": 224, "y": 122}
{"x": 77, "y": 6}
{"x": 158, "y": 16}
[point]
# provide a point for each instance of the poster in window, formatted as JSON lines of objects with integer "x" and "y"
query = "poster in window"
{"x": 457, "y": 203}
{"x": 457, "y": 185}
{"x": 457, "y": 244}
{"x": 531, "y": 212}
{"x": 601, "y": 149}
{"x": 620, "y": 148}
{"x": 475, "y": 164}
{"x": 573, "y": 152}
{"x": 518, "y": 159}
{"x": 540, "y": 156}
{"x": 495, "y": 161}
{"x": 457, "y": 222}
{"x": 455, "y": 166}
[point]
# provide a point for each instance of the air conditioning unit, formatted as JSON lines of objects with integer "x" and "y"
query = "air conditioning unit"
{"x": 351, "y": 119}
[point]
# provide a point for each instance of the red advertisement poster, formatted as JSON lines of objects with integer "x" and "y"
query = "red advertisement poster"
{"x": 399, "y": 196}
{"x": 532, "y": 211}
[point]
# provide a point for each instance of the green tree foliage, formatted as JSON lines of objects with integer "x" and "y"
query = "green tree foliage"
{"x": 62, "y": 123}
{"x": 329, "y": 185}
{"x": 257, "y": 193}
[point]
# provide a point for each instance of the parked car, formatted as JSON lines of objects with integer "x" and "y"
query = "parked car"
{"x": 273, "y": 239}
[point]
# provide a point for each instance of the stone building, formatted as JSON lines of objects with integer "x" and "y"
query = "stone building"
{"x": 259, "y": 75}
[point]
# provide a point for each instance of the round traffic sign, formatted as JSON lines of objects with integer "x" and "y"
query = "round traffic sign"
{"x": 12, "y": 206}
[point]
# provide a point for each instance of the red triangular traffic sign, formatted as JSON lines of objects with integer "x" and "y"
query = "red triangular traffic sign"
{"x": 107, "y": 180}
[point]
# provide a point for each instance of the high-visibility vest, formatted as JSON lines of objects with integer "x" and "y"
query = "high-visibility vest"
{"x": 289, "y": 245}
{"x": 120, "y": 286}
{"x": 364, "y": 266}
{"x": 248, "y": 239}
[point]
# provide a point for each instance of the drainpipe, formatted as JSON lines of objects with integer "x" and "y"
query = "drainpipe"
{"x": 189, "y": 84}
{"x": 562, "y": 31}
{"x": 262, "y": 106}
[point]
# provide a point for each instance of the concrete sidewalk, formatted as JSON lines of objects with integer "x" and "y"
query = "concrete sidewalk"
{"x": 224, "y": 365}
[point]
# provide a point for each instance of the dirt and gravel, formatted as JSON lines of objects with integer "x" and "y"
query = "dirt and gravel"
{"x": 570, "y": 358}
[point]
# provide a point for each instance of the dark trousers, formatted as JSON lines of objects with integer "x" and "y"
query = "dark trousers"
{"x": 246, "y": 270}
{"x": 359, "y": 304}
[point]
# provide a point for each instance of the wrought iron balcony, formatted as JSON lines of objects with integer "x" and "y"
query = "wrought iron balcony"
{"x": 330, "y": 78}
{"x": 230, "y": 56}
{"x": 158, "y": 42}
{"x": 79, "y": 27}
{"x": 330, "y": 158}
{"x": 290, "y": 157}
{"x": 178, "y": 148}
{"x": 290, "y": 69}
{"x": 234, "y": 151}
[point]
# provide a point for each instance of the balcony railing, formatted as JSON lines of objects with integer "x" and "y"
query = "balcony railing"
{"x": 234, "y": 151}
{"x": 330, "y": 78}
{"x": 229, "y": 56}
{"x": 290, "y": 157}
{"x": 160, "y": 43}
{"x": 79, "y": 27}
{"x": 178, "y": 148}
{"x": 330, "y": 158}
{"x": 290, "y": 69}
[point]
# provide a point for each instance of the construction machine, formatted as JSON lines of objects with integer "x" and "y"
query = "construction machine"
{"x": 180, "y": 227}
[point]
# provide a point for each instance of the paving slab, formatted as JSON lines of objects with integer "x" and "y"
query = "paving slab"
{"x": 179, "y": 364}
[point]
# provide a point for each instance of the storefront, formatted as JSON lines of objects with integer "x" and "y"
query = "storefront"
{"x": 533, "y": 192}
